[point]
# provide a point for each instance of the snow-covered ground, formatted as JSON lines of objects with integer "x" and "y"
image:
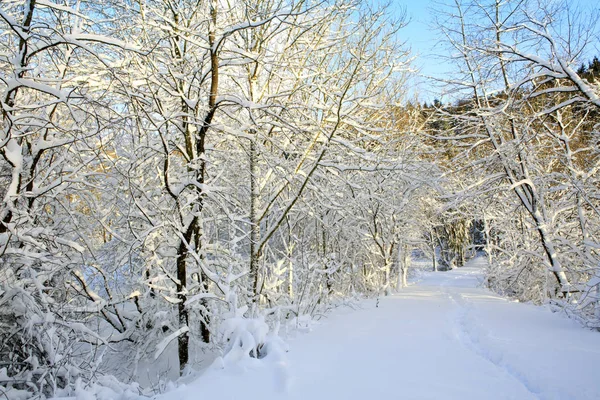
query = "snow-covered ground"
{"x": 441, "y": 338}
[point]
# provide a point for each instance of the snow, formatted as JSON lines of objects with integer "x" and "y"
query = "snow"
{"x": 106, "y": 388}
{"x": 441, "y": 338}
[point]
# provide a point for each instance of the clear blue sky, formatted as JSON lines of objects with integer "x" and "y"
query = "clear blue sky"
{"x": 422, "y": 37}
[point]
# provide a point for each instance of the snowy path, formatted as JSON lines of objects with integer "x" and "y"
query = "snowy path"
{"x": 442, "y": 338}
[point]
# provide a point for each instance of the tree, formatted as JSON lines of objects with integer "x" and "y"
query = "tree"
{"x": 514, "y": 127}
{"x": 54, "y": 79}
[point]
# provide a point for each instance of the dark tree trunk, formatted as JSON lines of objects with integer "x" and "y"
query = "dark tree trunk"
{"x": 184, "y": 338}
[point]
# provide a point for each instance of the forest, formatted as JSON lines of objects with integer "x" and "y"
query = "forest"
{"x": 182, "y": 177}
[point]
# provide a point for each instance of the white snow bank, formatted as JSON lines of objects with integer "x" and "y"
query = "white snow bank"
{"x": 104, "y": 388}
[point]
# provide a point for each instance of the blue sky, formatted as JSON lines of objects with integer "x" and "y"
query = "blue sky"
{"x": 422, "y": 37}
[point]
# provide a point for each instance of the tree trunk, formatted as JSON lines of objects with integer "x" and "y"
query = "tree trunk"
{"x": 405, "y": 265}
{"x": 203, "y": 281}
{"x": 488, "y": 240}
{"x": 183, "y": 316}
{"x": 290, "y": 271}
{"x": 254, "y": 224}
{"x": 555, "y": 264}
{"x": 328, "y": 266}
{"x": 388, "y": 270}
{"x": 433, "y": 253}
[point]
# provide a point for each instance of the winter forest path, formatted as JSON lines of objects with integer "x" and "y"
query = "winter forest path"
{"x": 441, "y": 338}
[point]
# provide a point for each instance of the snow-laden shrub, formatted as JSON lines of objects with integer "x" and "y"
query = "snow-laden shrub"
{"x": 245, "y": 338}
{"x": 37, "y": 338}
{"x": 586, "y": 307}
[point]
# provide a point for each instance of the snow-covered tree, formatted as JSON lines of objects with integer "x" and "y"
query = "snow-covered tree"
{"x": 54, "y": 82}
{"x": 523, "y": 126}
